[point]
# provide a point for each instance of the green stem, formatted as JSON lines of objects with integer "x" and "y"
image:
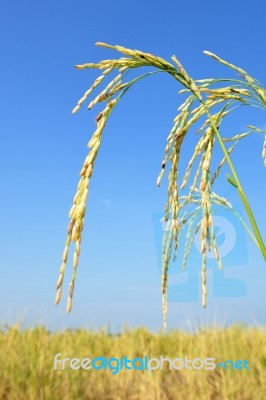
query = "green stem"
{"x": 239, "y": 187}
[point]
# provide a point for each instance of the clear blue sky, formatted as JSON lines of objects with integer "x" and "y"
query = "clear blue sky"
{"x": 43, "y": 146}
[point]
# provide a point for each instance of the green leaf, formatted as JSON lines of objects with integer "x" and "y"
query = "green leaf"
{"x": 231, "y": 181}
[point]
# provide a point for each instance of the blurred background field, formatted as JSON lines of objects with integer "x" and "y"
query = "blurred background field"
{"x": 27, "y": 364}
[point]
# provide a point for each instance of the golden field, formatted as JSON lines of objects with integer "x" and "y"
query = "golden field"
{"x": 27, "y": 364}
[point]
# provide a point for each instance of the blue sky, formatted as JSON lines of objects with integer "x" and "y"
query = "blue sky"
{"x": 43, "y": 146}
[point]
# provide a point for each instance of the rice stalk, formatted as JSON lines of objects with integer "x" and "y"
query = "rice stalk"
{"x": 202, "y": 96}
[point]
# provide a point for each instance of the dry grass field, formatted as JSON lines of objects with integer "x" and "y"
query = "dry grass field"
{"x": 27, "y": 364}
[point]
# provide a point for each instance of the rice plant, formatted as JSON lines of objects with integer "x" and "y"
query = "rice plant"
{"x": 209, "y": 99}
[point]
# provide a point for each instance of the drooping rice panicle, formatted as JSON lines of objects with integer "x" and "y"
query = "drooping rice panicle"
{"x": 262, "y": 94}
{"x": 73, "y": 278}
{"x": 88, "y": 92}
{"x": 77, "y": 211}
{"x": 198, "y": 149}
{"x": 213, "y": 240}
{"x": 202, "y": 143}
{"x": 172, "y": 207}
{"x": 221, "y": 201}
{"x": 237, "y": 137}
{"x": 227, "y": 93}
{"x": 177, "y": 236}
{"x": 110, "y": 86}
{"x": 259, "y": 92}
{"x": 62, "y": 270}
{"x": 216, "y": 173}
{"x": 232, "y": 66}
{"x": 177, "y": 136}
{"x": 256, "y": 129}
{"x": 206, "y": 212}
{"x": 259, "y": 130}
{"x": 166, "y": 255}
{"x": 264, "y": 151}
{"x": 170, "y": 141}
{"x": 190, "y": 236}
{"x": 196, "y": 176}
{"x": 191, "y": 83}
